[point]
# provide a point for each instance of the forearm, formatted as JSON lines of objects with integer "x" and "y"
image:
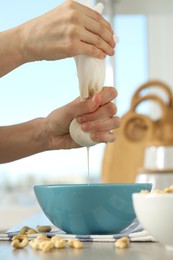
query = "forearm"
{"x": 22, "y": 140}
{"x": 11, "y": 55}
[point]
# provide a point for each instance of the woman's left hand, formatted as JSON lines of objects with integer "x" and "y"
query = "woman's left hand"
{"x": 96, "y": 115}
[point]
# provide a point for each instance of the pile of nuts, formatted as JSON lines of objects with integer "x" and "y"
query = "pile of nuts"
{"x": 42, "y": 242}
{"x": 166, "y": 190}
{"x": 45, "y": 244}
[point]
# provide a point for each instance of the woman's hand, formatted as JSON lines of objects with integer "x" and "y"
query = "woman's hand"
{"x": 69, "y": 30}
{"x": 66, "y": 31}
{"x": 96, "y": 115}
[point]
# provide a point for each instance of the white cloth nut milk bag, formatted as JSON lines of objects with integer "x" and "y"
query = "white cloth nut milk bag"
{"x": 91, "y": 76}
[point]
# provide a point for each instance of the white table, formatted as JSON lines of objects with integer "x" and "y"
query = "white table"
{"x": 91, "y": 251}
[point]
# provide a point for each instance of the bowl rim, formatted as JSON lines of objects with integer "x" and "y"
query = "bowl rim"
{"x": 90, "y": 185}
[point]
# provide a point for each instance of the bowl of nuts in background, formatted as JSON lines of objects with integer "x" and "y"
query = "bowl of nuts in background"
{"x": 86, "y": 209}
{"x": 154, "y": 211}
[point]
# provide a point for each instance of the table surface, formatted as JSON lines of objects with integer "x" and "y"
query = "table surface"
{"x": 91, "y": 251}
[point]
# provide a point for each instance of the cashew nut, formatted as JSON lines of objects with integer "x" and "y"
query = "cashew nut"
{"x": 31, "y": 231}
{"x": 75, "y": 243}
{"x": 44, "y": 229}
{"x": 19, "y": 241}
{"x": 46, "y": 246}
{"x": 59, "y": 243}
{"x": 123, "y": 242}
{"x": 23, "y": 230}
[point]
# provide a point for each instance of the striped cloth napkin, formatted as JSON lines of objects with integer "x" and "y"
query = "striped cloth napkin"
{"x": 134, "y": 232}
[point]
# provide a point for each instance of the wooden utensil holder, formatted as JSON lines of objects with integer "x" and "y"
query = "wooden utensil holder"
{"x": 123, "y": 158}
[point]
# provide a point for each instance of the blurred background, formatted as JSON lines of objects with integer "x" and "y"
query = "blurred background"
{"x": 33, "y": 90}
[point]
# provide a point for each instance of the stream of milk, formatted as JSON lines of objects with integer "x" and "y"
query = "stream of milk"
{"x": 88, "y": 165}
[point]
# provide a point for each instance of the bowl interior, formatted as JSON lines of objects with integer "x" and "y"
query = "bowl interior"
{"x": 89, "y": 209}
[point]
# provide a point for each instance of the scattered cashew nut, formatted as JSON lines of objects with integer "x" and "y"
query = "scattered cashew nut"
{"x": 23, "y": 230}
{"x": 121, "y": 243}
{"x": 19, "y": 241}
{"x": 44, "y": 229}
{"x": 75, "y": 243}
{"x": 42, "y": 242}
{"x": 59, "y": 243}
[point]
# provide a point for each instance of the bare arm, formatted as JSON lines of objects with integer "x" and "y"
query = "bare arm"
{"x": 66, "y": 31}
{"x": 18, "y": 141}
{"x": 10, "y": 51}
{"x": 96, "y": 116}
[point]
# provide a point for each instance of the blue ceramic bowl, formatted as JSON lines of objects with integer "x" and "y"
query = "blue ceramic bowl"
{"x": 89, "y": 209}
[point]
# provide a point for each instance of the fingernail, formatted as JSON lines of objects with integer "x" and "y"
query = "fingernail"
{"x": 86, "y": 127}
{"x": 95, "y": 136}
{"x": 81, "y": 119}
{"x": 113, "y": 52}
{"x": 93, "y": 98}
{"x": 103, "y": 56}
{"x": 118, "y": 121}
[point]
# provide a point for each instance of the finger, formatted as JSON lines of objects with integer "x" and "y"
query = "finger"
{"x": 101, "y": 125}
{"x": 96, "y": 40}
{"x": 90, "y": 50}
{"x": 98, "y": 28}
{"x": 104, "y": 137}
{"x": 78, "y": 107}
{"x": 103, "y": 112}
{"x": 108, "y": 94}
{"x": 94, "y": 15}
